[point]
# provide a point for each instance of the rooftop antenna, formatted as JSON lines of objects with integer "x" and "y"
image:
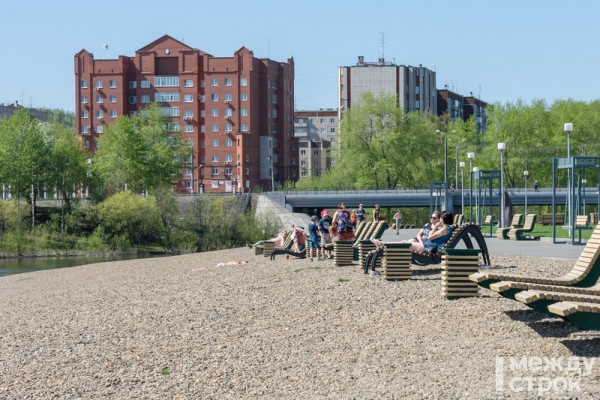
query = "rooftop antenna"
{"x": 382, "y": 45}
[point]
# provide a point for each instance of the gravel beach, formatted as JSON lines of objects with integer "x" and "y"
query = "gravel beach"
{"x": 183, "y": 328}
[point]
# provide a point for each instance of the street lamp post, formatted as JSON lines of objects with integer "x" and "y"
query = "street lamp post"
{"x": 501, "y": 147}
{"x": 470, "y": 156}
{"x": 476, "y": 171}
{"x": 526, "y": 175}
{"x": 445, "y": 157}
{"x": 462, "y": 187}
{"x": 568, "y": 129}
{"x": 583, "y": 183}
{"x": 270, "y": 158}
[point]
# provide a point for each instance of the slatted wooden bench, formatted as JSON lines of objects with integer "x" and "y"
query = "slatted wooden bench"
{"x": 502, "y": 232}
{"x": 521, "y": 233}
{"x": 581, "y": 222}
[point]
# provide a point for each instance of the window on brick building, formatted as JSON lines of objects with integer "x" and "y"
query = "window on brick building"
{"x": 214, "y": 82}
{"x": 113, "y": 113}
{"x": 227, "y": 81}
{"x": 215, "y": 143}
{"x": 244, "y": 112}
{"x": 112, "y": 83}
{"x": 84, "y": 84}
{"x": 214, "y": 112}
{"x": 132, "y": 100}
{"x": 214, "y": 127}
{"x": 83, "y": 99}
{"x": 188, "y": 98}
{"x": 243, "y": 97}
{"x": 145, "y": 99}
{"x": 188, "y": 83}
{"x": 84, "y": 113}
{"x": 113, "y": 98}
{"x": 214, "y": 97}
{"x": 243, "y": 82}
{"x": 145, "y": 84}
{"x": 132, "y": 84}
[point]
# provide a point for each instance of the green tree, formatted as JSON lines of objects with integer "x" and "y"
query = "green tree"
{"x": 381, "y": 147}
{"x": 24, "y": 156}
{"x": 139, "y": 153}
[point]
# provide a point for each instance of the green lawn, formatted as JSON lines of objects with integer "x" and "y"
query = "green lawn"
{"x": 546, "y": 231}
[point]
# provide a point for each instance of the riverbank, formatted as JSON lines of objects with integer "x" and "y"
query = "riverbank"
{"x": 181, "y": 327}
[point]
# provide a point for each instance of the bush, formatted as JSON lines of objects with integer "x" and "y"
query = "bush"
{"x": 129, "y": 219}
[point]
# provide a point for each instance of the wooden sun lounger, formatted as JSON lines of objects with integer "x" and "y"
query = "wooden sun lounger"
{"x": 585, "y": 273}
{"x": 463, "y": 233}
{"x": 520, "y": 233}
{"x": 582, "y": 314}
{"x": 541, "y": 299}
{"x": 502, "y": 233}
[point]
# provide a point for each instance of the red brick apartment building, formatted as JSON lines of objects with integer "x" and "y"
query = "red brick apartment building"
{"x": 238, "y": 112}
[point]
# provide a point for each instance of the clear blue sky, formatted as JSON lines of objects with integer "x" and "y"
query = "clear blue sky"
{"x": 499, "y": 50}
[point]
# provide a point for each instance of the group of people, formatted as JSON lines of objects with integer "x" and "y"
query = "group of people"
{"x": 322, "y": 231}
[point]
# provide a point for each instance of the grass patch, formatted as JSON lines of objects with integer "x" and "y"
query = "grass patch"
{"x": 343, "y": 280}
{"x": 165, "y": 371}
{"x": 546, "y": 231}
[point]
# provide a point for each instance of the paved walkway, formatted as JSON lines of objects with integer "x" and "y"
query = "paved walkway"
{"x": 542, "y": 248}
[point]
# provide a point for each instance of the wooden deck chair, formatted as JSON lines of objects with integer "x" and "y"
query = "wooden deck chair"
{"x": 520, "y": 233}
{"x": 463, "y": 233}
{"x": 582, "y": 314}
{"x": 585, "y": 273}
{"x": 540, "y": 300}
{"x": 284, "y": 248}
{"x": 458, "y": 219}
{"x": 488, "y": 221}
{"x": 502, "y": 232}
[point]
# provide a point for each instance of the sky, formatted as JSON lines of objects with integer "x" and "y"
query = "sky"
{"x": 500, "y": 50}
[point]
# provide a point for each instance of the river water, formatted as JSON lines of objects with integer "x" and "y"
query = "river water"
{"x": 10, "y": 266}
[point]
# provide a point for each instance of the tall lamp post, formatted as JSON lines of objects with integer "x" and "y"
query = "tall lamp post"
{"x": 583, "y": 183}
{"x": 270, "y": 158}
{"x": 476, "y": 171}
{"x": 462, "y": 187}
{"x": 526, "y": 175}
{"x": 471, "y": 156}
{"x": 445, "y": 156}
{"x": 568, "y": 129}
{"x": 501, "y": 147}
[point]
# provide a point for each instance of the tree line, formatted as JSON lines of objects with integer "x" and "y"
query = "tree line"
{"x": 382, "y": 147}
{"x": 130, "y": 179}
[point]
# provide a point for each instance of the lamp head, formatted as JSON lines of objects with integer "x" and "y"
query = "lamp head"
{"x": 501, "y": 146}
{"x": 568, "y": 127}
{"x": 471, "y": 155}
{"x": 526, "y": 173}
{"x": 462, "y": 164}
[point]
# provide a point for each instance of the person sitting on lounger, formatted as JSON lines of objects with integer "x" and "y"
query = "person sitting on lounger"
{"x": 441, "y": 231}
{"x": 299, "y": 237}
{"x": 277, "y": 240}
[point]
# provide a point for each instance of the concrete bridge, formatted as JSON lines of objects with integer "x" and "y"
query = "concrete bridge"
{"x": 306, "y": 201}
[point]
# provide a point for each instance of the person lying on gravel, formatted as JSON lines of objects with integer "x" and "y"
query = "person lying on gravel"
{"x": 232, "y": 263}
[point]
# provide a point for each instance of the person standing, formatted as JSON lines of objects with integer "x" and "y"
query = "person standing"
{"x": 360, "y": 213}
{"x": 313, "y": 237}
{"x": 536, "y": 186}
{"x": 376, "y": 213}
{"x": 324, "y": 225}
{"x": 398, "y": 220}
{"x": 342, "y": 220}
